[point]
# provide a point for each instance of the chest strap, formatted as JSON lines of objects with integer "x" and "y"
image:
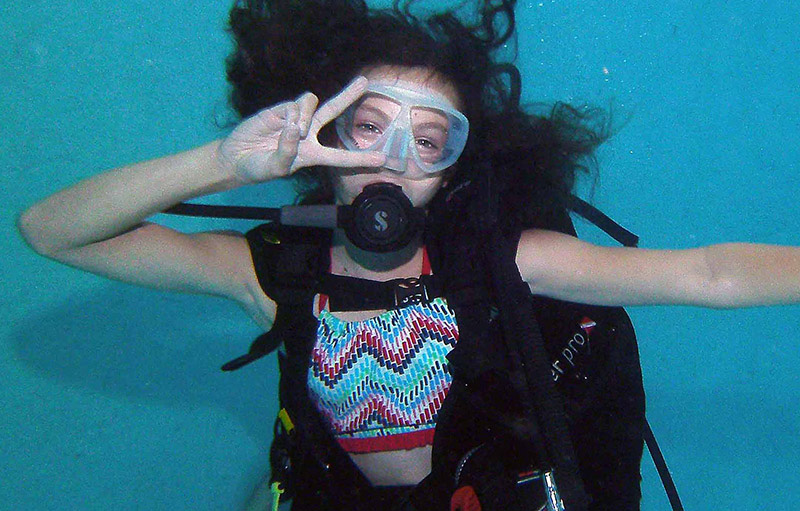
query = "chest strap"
{"x": 354, "y": 294}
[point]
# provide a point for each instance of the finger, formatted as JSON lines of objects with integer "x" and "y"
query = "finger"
{"x": 332, "y": 108}
{"x": 292, "y": 114}
{"x": 344, "y": 158}
{"x": 308, "y": 105}
{"x": 284, "y": 156}
{"x": 272, "y": 118}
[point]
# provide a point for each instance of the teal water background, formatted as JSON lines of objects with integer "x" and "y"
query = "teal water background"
{"x": 111, "y": 397}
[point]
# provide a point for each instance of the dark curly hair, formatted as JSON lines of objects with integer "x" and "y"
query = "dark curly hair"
{"x": 286, "y": 47}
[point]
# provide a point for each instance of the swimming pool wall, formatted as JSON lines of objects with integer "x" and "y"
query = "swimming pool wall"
{"x": 111, "y": 395}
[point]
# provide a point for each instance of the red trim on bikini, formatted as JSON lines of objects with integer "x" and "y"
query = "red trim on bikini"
{"x": 401, "y": 441}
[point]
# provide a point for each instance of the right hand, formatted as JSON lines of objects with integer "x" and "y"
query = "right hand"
{"x": 281, "y": 139}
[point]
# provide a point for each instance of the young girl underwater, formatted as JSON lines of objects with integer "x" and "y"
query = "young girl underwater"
{"x": 382, "y": 390}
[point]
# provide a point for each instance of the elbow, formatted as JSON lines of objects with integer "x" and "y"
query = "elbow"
{"x": 723, "y": 294}
{"x": 718, "y": 289}
{"x": 30, "y": 231}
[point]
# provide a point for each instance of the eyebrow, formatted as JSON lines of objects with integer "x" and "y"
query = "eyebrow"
{"x": 436, "y": 125}
{"x": 430, "y": 124}
{"x": 373, "y": 110}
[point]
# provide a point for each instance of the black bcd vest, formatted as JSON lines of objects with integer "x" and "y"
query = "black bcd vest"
{"x": 591, "y": 360}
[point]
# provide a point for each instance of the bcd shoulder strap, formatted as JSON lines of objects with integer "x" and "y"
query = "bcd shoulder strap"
{"x": 287, "y": 263}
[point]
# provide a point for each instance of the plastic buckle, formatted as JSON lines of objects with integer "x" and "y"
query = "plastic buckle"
{"x": 410, "y": 291}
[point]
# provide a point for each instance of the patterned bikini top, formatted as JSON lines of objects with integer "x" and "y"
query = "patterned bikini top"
{"x": 380, "y": 382}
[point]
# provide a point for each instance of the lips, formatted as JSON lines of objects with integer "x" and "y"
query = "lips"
{"x": 382, "y": 181}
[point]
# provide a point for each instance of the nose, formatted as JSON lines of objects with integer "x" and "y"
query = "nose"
{"x": 396, "y": 149}
{"x": 412, "y": 172}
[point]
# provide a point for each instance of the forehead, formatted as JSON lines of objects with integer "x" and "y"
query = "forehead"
{"x": 415, "y": 78}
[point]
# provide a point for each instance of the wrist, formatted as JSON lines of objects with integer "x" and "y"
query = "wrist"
{"x": 221, "y": 172}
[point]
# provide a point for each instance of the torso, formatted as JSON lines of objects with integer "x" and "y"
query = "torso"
{"x": 387, "y": 468}
{"x": 395, "y": 468}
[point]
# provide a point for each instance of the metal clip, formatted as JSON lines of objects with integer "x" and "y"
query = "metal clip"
{"x": 552, "y": 499}
{"x": 410, "y": 291}
{"x": 554, "y": 502}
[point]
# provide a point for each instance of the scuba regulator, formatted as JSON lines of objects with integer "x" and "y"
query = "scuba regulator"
{"x": 381, "y": 218}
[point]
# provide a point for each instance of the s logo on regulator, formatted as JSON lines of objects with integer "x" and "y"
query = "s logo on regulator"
{"x": 380, "y": 220}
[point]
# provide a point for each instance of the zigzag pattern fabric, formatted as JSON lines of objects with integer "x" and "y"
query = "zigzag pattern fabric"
{"x": 381, "y": 382}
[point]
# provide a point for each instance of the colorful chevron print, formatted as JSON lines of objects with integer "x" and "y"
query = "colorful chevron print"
{"x": 380, "y": 382}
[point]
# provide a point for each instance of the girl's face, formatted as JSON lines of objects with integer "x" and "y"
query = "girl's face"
{"x": 418, "y": 185}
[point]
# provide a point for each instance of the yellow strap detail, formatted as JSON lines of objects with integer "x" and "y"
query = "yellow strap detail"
{"x": 288, "y": 425}
{"x": 277, "y": 491}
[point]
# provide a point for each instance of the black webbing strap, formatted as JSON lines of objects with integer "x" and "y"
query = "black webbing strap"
{"x": 598, "y": 218}
{"x": 526, "y": 345}
{"x": 661, "y": 467}
{"x": 355, "y": 294}
{"x": 267, "y": 342}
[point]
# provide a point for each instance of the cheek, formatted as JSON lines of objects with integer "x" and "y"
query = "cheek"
{"x": 343, "y": 188}
{"x": 422, "y": 193}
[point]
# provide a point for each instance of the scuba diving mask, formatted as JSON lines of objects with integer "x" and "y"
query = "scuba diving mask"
{"x": 413, "y": 129}
{"x": 409, "y": 127}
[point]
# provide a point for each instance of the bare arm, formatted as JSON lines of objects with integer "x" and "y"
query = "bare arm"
{"x": 718, "y": 276}
{"x": 99, "y": 224}
{"x": 119, "y": 200}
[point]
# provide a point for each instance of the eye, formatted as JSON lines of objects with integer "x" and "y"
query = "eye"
{"x": 426, "y": 144}
{"x": 368, "y": 127}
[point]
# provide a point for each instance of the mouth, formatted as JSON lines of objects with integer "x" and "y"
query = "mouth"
{"x": 383, "y": 182}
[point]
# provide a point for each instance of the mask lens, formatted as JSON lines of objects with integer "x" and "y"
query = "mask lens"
{"x": 410, "y": 128}
{"x": 430, "y": 127}
{"x": 368, "y": 120}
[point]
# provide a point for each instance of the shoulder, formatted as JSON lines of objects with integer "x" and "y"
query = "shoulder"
{"x": 539, "y": 249}
{"x": 284, "y": 263}
{"x": 556, "y": 264}
{"x": 287, "y": 256}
